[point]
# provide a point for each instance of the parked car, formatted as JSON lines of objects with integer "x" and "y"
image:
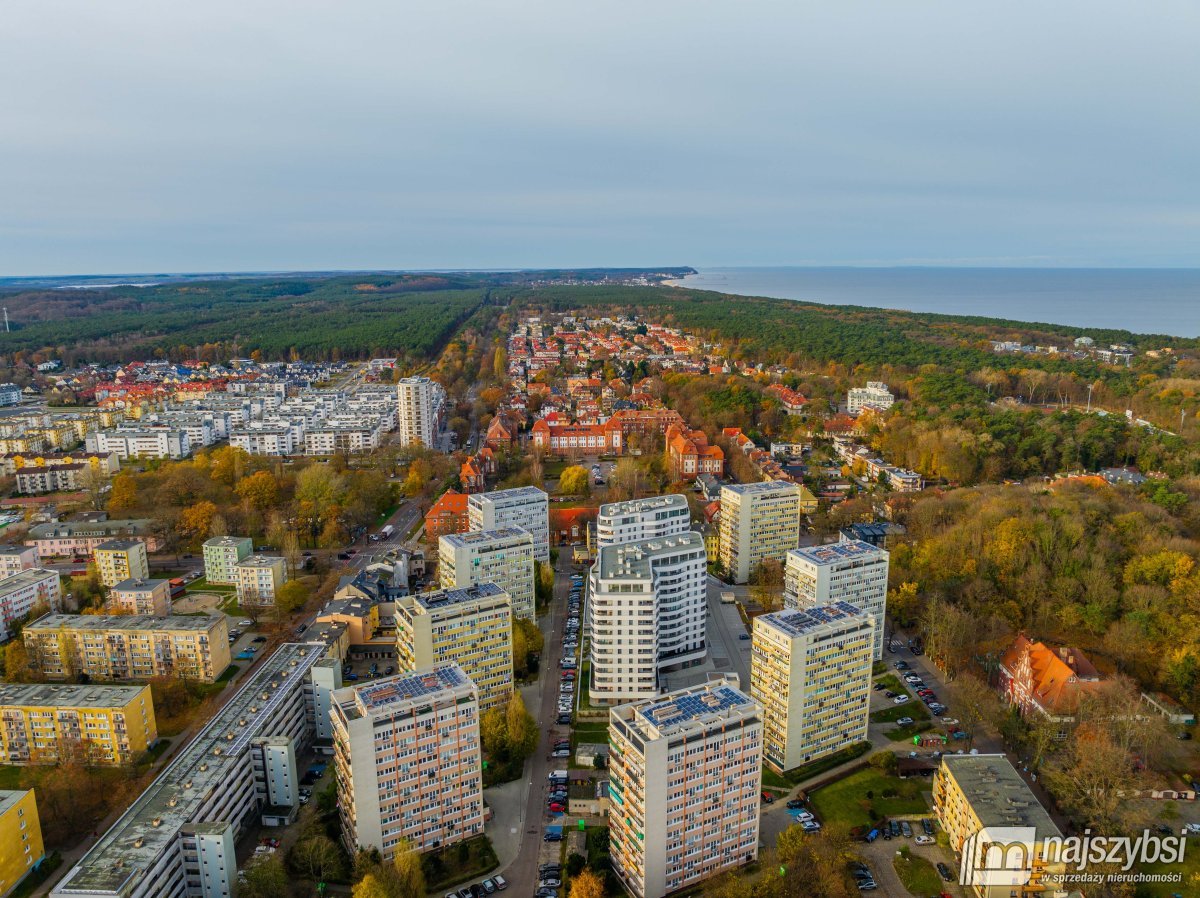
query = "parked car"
{"x": 561, "y": 753}
{"x": 795, "y": 803}
{"x": 810, "y": 826}
{"x": 906, "y": 828}
{"x": 500, "y": 882}
{"x": 925, "y": 840}
{"x": 949, "y": 721}
{"x": 901, "y": 699}
{"x": 551, "y": 837}
{"x": 904, "y": 721}
{"x": 944, "y": 872}
{"x": 767, "y": 798}
{"x": 890, "y": 694}
{"x": 927, "y": 825}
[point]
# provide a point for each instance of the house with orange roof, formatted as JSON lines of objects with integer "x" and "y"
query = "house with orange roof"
{"x": 793, "y": 402}
{"x": 690, "y": 454}
{"x": 500, "y": 434}
{"x": 447, "y": 515}
{"x": 1041, "y": 679}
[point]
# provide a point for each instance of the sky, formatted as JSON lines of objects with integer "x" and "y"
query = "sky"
{"x": 260, "y": 135}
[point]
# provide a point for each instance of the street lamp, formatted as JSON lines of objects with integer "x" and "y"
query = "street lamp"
{"x": 1089, "y": 405}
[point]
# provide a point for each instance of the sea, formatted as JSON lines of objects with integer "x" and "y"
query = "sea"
{"x": 1141, "y": 300}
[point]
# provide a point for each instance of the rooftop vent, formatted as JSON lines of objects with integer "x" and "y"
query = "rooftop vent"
{"x": 156, "y": 822}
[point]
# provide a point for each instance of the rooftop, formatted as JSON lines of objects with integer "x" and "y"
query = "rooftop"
{"x": 445, "y": 598}
{"x": 761, "y": 486}
{"x": 226, "y": 542}
{"x": 476, "y": 538}
{"x": 9, "y": 798}
{"x": 640, "y": 506}
{"x": 69, "y": 695}
{"x": 633, "y": 560}
{"x": 997, "y": 794}
{"x": 519, "y": 493}
{"x": 837, "y": 553}
{"x": 392, "y": 694}
{"x": 124, "y": 622}
{"x": 261, "y": 561}
{"x": 14, "y": 550}
{"x": 137, "y": 584}
{"x": 119, "y": 545}
{"x": 25, "y": 578}
{"x": 793, "y": 622}
{"x": 665, "y": 715}
{"x": 89, "y": 528}
{"x": 128, "y": 850}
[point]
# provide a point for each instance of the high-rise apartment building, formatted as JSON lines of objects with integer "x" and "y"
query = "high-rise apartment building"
{"x": 849, "y": 571}
{"x": 811, "y": 672}
{"x": 23, "y": 591}
{"x": 759, "y": 521}
{"x": 128, "y": 647}
{"x": 221, "y": 555}
{"x": 526, "y": 507}
{"x": 14, "y": 559}
{"x": 470, "y": 625}
{"x": 135, "y": 596}
{"x": 419, "y": 413}
{"x": 646, "y": 614}
{"x": 177, "y": 839}
{"x": 638, "y": 519}
{"x": 407, "y": 754}
{"x": 503, "y": 557}
{"x": 122, "y": 559}
{"x": 21, "y": 847}
{"x": 258, "y": 579}
{"x": 684, "y": 775}
{"x": 42, "y": 723}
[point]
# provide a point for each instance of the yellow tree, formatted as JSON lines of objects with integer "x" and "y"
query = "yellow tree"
{"x": 196, "y": 520}
{"x": 586, "y": 885}
{"x": 573, "y": 481}
{"x": 123, "y": 497}
{"x": 260, "y": 490}
{"x": 370, "y": 886}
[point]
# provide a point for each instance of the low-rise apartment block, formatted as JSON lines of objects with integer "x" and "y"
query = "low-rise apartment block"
{"x": 976, "y": 793}
{"x": 137, "y": 596}
{"x": 177, "y": 838}
{"x": 221, "y": 555}
{"x": 80, "y": 538}
{"x": 685, "y": 773}
{"x": 259, "y": 578}
{"x": 149, "y": 442}
{"x": 811, "y": 672}
{"x": 21, "y": 847}
{"x": 128, "y": 647}
{"x": 43, "y": 723}
{"x": 471, "y": 626}
{"x": 407, "y": 753}
{"x": 503, "y": 557}
{"x": 637, "y": 519}
{"x": 875, "y": 395}
{"x": 526, "y": 507}
{"x": 14, "y": 559}
{"x": 759, "y": 521}
{"x": 23, "y": 591}
{"x": 849, "y": 571}
{"x": 646, "y": 614}
{"x": 122, "y": 559}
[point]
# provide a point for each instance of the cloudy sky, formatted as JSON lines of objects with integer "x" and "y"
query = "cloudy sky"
{"x": 254, "y": 135}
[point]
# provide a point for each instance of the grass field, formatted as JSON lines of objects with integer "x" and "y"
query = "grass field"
{"x": 915, "y": 710}
{"x": 918, "y": 875}
{"x": 859, "y": 799}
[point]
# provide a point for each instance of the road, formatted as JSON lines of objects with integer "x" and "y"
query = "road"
{"x": 522, "y": 872}
{"x": 726, "y": 649}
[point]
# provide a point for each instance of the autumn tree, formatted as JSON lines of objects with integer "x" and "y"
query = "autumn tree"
{"x": 123, "y": 497}
{"x": 291, "y": 597}
{"x": 260, "y": 491}
{"x": 766, "y": 584}
{"x": 587, "y": 885}
{"x": 196, "y": 520}
{"x": 573, "y": 481}
{"x": 316, "y": 857}
{"x": 521, "y": 727}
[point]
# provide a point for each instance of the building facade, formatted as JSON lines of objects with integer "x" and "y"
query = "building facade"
{"x": 758, "y": 521}
{"x": 21, "y": 847}
{"x": 811, "y": 672}
{"x": 80, "y": 538}
{"x": 259, "y": 578}
{"x": 637, "y": 519}
{"x": 128, "y": 647}
{"x": 407, "y": 754}
{"x": 526, "y": 507}
{"x": 23, "y": 591}
{"x": 14, "y": 559}
{"x": 135, "y": 596}
{"x": 447, "y": 515}
{"x": 221, "y": 555}
{"x": 471, "y": 626}
{"x": 646, "y": 614}
{"x": 685, "y": 772}
{"x": 43, "y": 723}
{"x": 875, "y": 395}
{"x": 503, "y": 557}
{"x": 849, "y": 571}
{"x": 418, "y": 417}
{"x": 122, "y": 559}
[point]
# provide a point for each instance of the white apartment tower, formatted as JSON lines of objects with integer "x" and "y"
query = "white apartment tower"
{"x": 758, "y": 521}
{"x": 646, "y": 614}
{"x": 685, "y": 772}
{"x": 851, "y": 571}
{"x": 417, "y": 417}
{"x": 503, "y": 557}
{"x": 526, "y": 507}
{"x": 637, "y": 519}
{"x": 811, "y": 672}
{"x": 874, "y": 395}
{"x": 406, "y": 749}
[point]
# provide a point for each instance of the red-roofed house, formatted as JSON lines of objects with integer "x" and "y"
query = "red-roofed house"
{"x": 447, "y": 515}
{"x": 1048, "y": 681}
{"x": 691, "y": 455}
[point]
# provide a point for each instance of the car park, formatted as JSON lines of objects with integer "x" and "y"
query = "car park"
{"x": 552, "y": 837}
{"x": 561, "y": 753}
{"x": 550, "y": 883}
{"x": 906, "y": 828}
{"x": 890, "y": 694}
{"x": 893, "y": 828}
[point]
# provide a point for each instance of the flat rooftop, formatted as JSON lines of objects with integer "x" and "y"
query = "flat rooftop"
{"x": 477, "y": 538}
{"x": 800, "y": 622}
{"x": 132, "y": 845}
{"x": 51, "y": 695}
{"x": 516, "y": 494}
{"x": 9, "y": 798}
{"x": 668, "y": 714}
{"x": 124, "y": 622}
{"x": 261, "y": 561}
{"x": 838, "y": 553}
{"x": 761, "y": 486}
{"x": 226, "y": 542}
{"x": 26, "y": 577}
{"x": 14, "y": 550}
{"x": 633, "y": 560}
{"x": 997, "y": 794}
{"x": 641, "y": 506}
{"x": 394, "y": 693}
{"x": 119, "y": 545}
{"x": 138, "y": 584}
{"x": 445, "y": 598}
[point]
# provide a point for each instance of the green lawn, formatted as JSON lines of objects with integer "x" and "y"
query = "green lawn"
{"x": 918, "y": 875}
{"x": 848, "y": 800}
{"x": 906, "y": 733}
{"x": 10, "y": 777}
{"x": 915, "y": 710}
{"x": 892, "y": 682}
{"x": 813, "y": 768}
{"x": 457, "y": 863}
